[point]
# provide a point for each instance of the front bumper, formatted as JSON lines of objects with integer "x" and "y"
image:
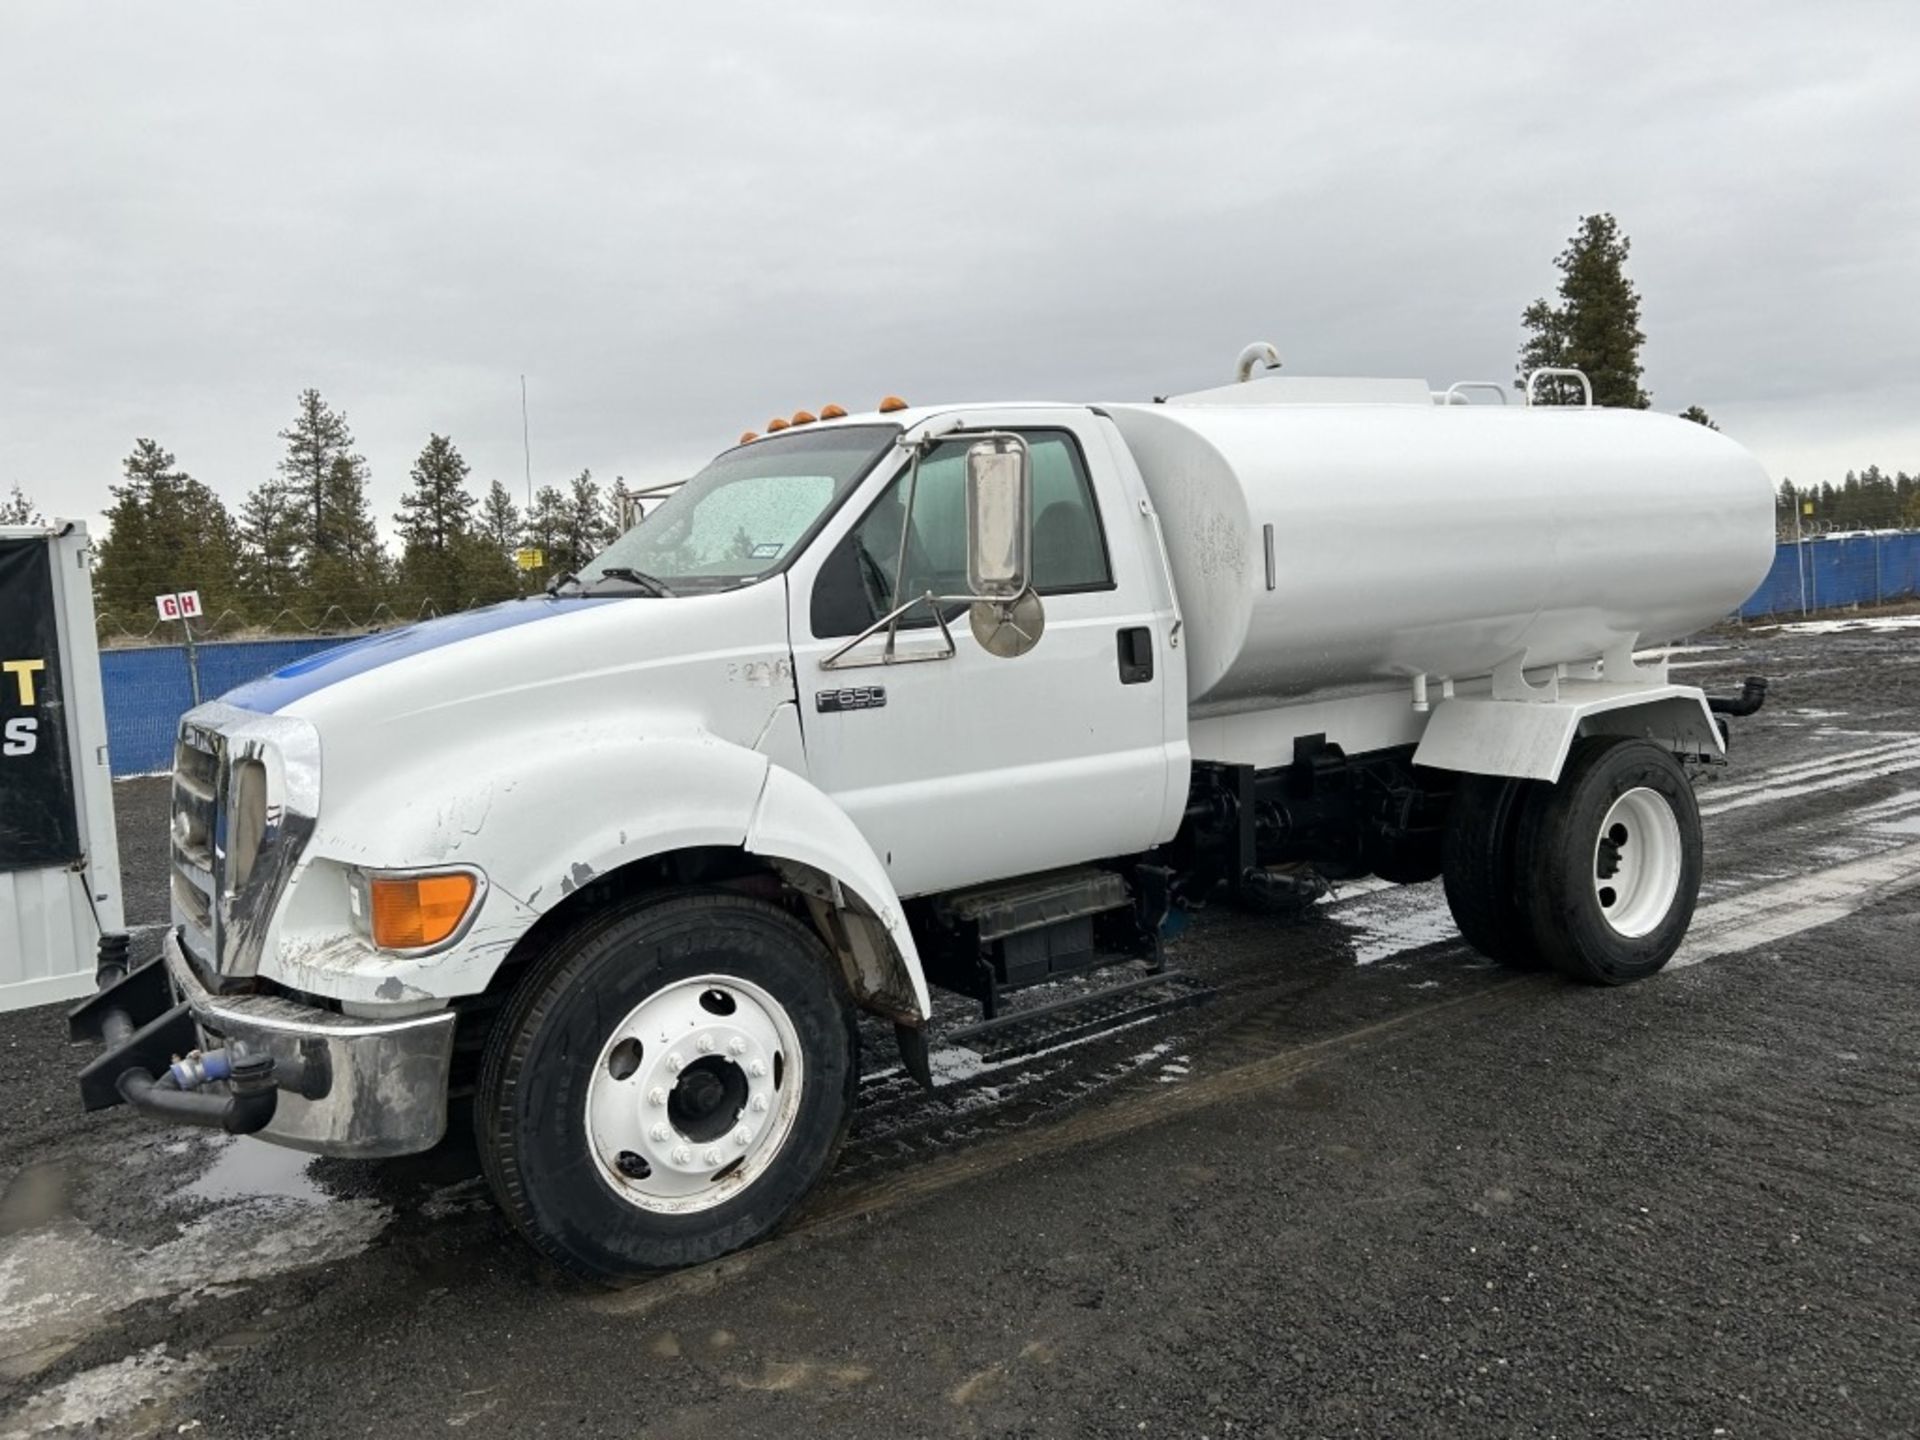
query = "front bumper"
{"x": 341, "y": 1085}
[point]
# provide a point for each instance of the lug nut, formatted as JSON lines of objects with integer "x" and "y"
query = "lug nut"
{"x": 757, "y": 1069}
{"x": 674, "y": 1062}
{"x": 704, "y": 1044}
{"x": 736, "y": 1046}
{"x": 760, "y": 1103}
{"x": 661, "y": 1134}
{"x": 682, "y": 1155}
{"x": 657, "y": 1096}
{"x": 713, "y": 1157}
{"x": 743, "y": 1137}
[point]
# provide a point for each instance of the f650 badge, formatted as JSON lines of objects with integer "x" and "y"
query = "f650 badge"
{"x": 854, "y": 697}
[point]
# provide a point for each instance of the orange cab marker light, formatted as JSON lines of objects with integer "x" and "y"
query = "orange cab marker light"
{"x": 832, "y": 412}
{"x": 892, "y": 403}
{"x": 776, "y": 423}
{"x": 747, "y": 437}
{"x": 414, "y": 910}
{"x": 803, "y": 417}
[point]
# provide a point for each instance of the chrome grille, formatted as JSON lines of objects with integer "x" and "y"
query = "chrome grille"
{"x": 235, "y": 767}
{"x": 196, "y": 835}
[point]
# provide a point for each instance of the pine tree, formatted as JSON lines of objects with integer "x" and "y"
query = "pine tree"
{"x": 500, "y": 519}
{"x": 317, "y": 438}
{"x": 166, "y": 532}
{"x": 546, "y": 531}
{"x": 587, "y": 530}
{"x": 1596, "y": 326}
{"x": 1698, "y": 416}
{"x": 269, "y": 529}
{"x": 435, "y": 523}
{"x": 438, "y": 509}
{"x": 17, "y": 509}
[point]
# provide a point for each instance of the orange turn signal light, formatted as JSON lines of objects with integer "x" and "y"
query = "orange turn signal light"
{"x": 832, "y": 412}
{"x": 414, "y": 910}
{"x": 747, "y": 437}
{"x": 776, "y": 423}
{"x": 804, "y": 417}
{"x": 892, "y": 403}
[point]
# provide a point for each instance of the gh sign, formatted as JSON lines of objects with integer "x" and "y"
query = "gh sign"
{"x": 183, "y": 606}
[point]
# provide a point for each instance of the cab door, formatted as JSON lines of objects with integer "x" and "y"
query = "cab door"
{"x": 975, "y": 767}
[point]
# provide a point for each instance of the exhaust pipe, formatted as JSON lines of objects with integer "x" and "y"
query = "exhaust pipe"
{"x": 1753, "y": 694}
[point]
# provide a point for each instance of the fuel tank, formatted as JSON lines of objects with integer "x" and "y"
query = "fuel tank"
{"x": 1327, "y": 547}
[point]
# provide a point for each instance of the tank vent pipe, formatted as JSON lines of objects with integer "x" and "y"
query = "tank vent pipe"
{"x": 1258, "y": 353}
{"x": 1420, "y": 693}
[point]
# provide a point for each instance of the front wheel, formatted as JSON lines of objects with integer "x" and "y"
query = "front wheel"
{"x": 667, "y": 1084}
{"x": 1613, "y": 861}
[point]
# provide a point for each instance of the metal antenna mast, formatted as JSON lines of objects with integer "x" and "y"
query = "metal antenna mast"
{"x": 526, "y": 445}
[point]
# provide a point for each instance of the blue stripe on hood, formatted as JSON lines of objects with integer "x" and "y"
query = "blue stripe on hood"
{"x": 289, "y": 683}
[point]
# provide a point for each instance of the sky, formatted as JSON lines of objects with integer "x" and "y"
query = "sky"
{"x": 676, "y": 222}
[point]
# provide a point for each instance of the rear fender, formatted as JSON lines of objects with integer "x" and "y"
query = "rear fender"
{"x": 1529, "y": 739}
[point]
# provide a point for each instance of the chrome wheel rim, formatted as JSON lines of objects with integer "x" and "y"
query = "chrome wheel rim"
{"x": 1637, "y": 858}
{"x": 694, "y": 1094}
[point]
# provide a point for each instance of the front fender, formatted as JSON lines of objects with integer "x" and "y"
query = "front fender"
{"x": 589, "y": 802}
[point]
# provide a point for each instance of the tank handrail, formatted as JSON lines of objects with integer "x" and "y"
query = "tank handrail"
{"x": 1462, "y": 386}
{"x": 1559, "y": 372}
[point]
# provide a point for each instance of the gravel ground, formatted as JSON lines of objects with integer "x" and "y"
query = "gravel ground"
{"x": 1338, "y": 1178}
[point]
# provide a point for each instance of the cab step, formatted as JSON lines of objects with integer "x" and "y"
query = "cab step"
{"x": 990, "y": 939}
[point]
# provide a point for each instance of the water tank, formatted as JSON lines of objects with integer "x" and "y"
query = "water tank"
{"x": 1408, "y": 537}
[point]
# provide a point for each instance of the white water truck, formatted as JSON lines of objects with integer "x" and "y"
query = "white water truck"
{"x": 968, "y": 696}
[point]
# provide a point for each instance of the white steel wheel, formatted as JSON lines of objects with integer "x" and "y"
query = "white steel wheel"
{"x": 694, "y": 1094}
{"x": 1637, "y": 862}
{"x": 1610, "y": 860}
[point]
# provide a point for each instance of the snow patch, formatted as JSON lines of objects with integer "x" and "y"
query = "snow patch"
{"x": 106, "y": 1393}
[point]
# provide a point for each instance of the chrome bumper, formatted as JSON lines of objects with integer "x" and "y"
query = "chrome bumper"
{"x": 347, "y": 1086}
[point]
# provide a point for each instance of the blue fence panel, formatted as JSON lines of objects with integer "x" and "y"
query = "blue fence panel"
{"x": 149, "y": 689}
{"x": 1829, "y": 574}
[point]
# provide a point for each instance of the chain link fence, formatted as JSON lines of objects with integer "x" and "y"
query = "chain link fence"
{"x": 1834, "y": 572}
{"x": 150, "y": 687}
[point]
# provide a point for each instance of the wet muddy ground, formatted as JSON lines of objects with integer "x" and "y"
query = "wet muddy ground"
{"x": 1335, "y": 1177}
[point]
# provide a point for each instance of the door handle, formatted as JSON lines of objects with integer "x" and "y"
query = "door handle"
{"x": 1136, "y": 655}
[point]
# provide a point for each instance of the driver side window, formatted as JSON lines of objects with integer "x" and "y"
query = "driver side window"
{"x": 855, "y": 586}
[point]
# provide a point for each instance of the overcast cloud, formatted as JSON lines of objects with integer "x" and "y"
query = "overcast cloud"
{"x": 677, "y": 221}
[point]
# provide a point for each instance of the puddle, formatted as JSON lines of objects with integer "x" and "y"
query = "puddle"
{"x": 34, "y": 1196}
{"x": 253, "y": 1170}
{"x": 60, "y": 1280}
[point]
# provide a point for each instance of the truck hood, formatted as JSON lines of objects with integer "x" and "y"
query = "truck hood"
{"x": 494, "y": 681}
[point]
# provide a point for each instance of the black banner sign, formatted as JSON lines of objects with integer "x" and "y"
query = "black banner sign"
{"x": 37, "y": 822}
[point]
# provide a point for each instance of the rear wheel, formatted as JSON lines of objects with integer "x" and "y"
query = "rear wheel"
{"x": 669, "y": 1082}
{"x": 1480, "y": 865}
{"x": 1613, "y": 861}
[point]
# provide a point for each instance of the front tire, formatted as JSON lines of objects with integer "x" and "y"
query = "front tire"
{"x": 668, "y": 1083}
{"x": 1613, "y": 861}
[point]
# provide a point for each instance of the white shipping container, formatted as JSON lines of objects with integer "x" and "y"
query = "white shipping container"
{"x": 51, "y": 918}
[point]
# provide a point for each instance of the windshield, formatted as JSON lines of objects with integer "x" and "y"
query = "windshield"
{"x": 743, "y": 516}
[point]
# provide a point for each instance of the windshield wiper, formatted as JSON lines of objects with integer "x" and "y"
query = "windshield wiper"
{"x": 553, "y": 585}
{"x": 636, "y": 577}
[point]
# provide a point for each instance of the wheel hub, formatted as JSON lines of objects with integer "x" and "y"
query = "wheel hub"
{"x": 694, "y": 1093}
{"x": 1637, "y": 862}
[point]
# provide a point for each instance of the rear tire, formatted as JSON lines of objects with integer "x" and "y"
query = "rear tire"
{"x": 1480, "y": 866}
{"x": 667, "y": 1084}
{"x": 1613, "y": 861}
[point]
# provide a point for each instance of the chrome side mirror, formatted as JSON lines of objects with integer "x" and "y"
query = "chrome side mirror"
{"x": 999, "y": 518}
